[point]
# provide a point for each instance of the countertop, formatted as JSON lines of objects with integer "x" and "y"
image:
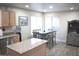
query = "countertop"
{"x": 26, "y": 45}
{"x": 7, "y": 36}
{"x": 45, "y": 32}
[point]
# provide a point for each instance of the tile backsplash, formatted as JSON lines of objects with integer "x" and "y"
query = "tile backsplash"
{"x": 1, "y": 32}
{"x": 8, "y": 30}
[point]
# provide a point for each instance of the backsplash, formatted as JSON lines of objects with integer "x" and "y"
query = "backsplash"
{"x": 1, "y": 32}
{"x": 7, "y": 30}
{"x": 4, "y": 30}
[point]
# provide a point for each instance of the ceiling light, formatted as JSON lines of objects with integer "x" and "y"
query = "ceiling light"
{"x": 50, "y": 7}
{"x": 71, "y": 8}
{"x": 26, "y": 6}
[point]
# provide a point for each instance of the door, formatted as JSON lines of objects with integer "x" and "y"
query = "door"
{"x": 12, "y": 18}
{"x": 5, "y": 18}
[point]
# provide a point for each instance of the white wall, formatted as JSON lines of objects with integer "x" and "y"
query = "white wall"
{"x": 63, "y": 18}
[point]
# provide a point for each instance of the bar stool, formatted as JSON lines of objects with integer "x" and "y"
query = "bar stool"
{"x": 54, "y": 36}
{"x": 50, "y": 41}
{"x": 53, "y": 33}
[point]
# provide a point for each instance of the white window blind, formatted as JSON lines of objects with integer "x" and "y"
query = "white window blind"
{"x": 48, "y": 22}
{"x": 36, "y": 23}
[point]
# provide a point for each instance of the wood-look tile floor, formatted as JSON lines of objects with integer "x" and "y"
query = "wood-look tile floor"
{"x": 61, "y": 49}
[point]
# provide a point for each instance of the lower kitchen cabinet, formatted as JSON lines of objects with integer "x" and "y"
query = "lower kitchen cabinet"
{"x": 7, "y": 41}
{"x": 15, "y": 39}
{"x": 3, "y": 44}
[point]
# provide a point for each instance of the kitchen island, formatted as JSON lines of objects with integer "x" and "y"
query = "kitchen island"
{"x": 28, "y": 47}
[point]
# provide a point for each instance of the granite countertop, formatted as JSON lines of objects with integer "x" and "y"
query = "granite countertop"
{"x": 7, "y": 36}
{"x": 26, "y": 45}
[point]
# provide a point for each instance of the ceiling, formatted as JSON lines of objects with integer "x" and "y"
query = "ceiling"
{"x": 44, "y": 7}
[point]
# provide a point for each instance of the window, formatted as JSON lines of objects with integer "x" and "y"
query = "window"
{"x": 48, "y": 22}
{"x": 36, "y": 23}
{"x": 51, "y": 22}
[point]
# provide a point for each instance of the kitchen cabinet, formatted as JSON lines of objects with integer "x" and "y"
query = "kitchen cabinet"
{"x": 12, "y": 18}
{"x": 3, "y": 49}
{"x": 15, "y": 39}
{"x": 7, "y": 18}
{"x": 7, "y": 40}
{"x": 4, "y": 18}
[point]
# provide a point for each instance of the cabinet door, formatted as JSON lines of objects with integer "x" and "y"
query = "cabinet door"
{"x": 15, "y": 39}
{"x": 5, "y": 18}
{"x": 12, "y": 18}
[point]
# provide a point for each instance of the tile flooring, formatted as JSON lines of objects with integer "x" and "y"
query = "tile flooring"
{"x": 61, "y": 49}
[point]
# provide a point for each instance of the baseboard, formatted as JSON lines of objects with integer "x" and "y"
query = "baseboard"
{"x": 61, "y": 41}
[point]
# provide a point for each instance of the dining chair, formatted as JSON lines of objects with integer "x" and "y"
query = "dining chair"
{"x": 50, "y": 40}
{"x": 54, "y": 36}
{"x": 39, "y": 36}
{"x": 34, "y": 34}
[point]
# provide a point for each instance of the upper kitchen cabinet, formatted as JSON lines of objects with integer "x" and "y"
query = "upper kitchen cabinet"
{"x": 12, "y": 18}
{"x": 7, "y": 18}
{"x": 4, "y": 18}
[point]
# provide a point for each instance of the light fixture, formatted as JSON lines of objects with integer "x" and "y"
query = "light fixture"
{"x": 71, "y": 8}
{"x": 50, "y": 7}
{"x": 26, "y": 6}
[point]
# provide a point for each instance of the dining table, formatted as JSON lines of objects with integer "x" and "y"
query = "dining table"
{"x": 43, "y": 34}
